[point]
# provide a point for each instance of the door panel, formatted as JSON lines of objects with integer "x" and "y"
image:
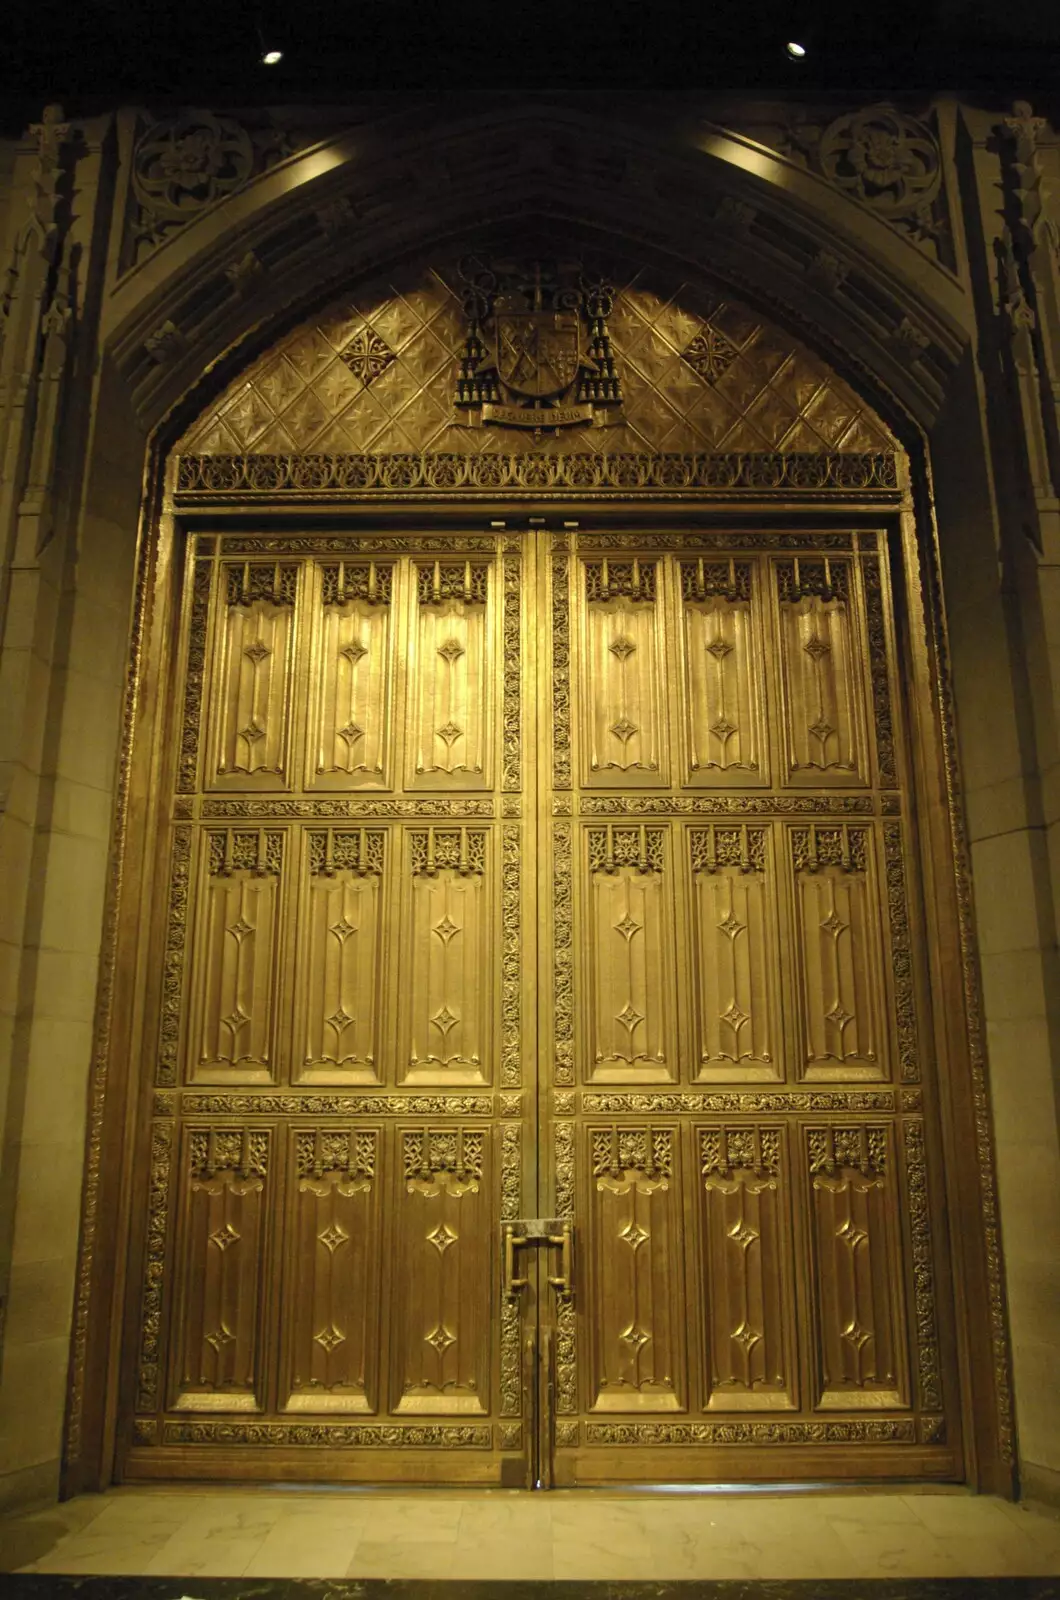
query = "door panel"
{"x": 733, "y": 1019}
{"x": 538, "y": 1027}
{"x": 344, "y": 1021}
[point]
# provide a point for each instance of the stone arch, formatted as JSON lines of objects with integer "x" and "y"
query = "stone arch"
{"x": 174, "y": 339}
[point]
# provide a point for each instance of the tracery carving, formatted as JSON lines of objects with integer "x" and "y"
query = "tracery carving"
{"x": 724, "y": 1150}
{"x": 862, "y": 1148}
{"x": 612, "y": 848}
{"x": 456, "y": 1151}
{"x": 817, "y": 846}
{"x": 606, "y": 580}
{"x": 239, "y": 1150}
{"x": 369, "y": 581}
{"x": 616, "y": 1151}
{"x": 322, "y": 1150}
{"x": 359, "y": 850}
{"x": 440, "y": 581}
{"x": 715, "y": 847}
{"x": 880, "y": 675}
{"x": 460, "y": 850}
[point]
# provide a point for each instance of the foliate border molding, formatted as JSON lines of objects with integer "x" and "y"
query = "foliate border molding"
{"x": 511, "y": 955}
{"x": 341, "y": 1435}
{"x": 670, "y": 1103}
{"x": 511, "y": 1309}
{"x": 866, "y": 1430}
{"x": 370, "y": 477}
{"x": 929, "y": 1381}
{"x": 148, "y": 1369}
{"x": 265, "y": 1104}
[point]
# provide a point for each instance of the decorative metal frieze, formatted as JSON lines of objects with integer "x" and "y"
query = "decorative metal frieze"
{"x": 280, "y": 810}
{"x": 725, "y": 805}
{"x": 511, "y": 955}
{"x": 880, "y": 675}
{"x": 511, "y": 710}
{"x": 511, "y": 1311}
{"x": 901, "y": 954}
{"x": 338, "y": 1105}
{"x": 563, "y": 954}
{"x": 866, "y": 1430}
{"x": 566, "y": 1323}
{"x": 334, "y": 1435}
{"x": 929, "y": 1380}
{"x": 669, "y": 1103}
{"x": 147, "y": 1392}
{"x": 537, "y": 353}
{"x": 361, "y": 544}
{"x": 356, "y": 477}
{"x": 173, "y": 959}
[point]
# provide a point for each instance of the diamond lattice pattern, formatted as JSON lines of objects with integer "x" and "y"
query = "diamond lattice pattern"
{"x": 302, "y": 396}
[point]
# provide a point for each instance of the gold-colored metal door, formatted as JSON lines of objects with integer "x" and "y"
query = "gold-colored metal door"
{"x": 538, "y": 1034}
{"x": 732, "y": 1011}
{"x": 344, "y": 1023}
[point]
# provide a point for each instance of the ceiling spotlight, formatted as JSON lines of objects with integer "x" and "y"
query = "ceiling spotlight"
{"x": 796, "y": 51}
{"x": 270, "y": 58}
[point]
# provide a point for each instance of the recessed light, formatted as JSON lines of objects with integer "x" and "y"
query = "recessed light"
{"x": 271, "y": 57}
{"x": 796, "y": 51}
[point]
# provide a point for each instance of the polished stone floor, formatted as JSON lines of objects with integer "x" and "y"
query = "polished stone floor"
{"x": 264, "y": 1533}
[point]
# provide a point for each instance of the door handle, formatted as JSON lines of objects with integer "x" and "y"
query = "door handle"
{"x": 562, "y": 1281}
{"x": 512, "y": 1242}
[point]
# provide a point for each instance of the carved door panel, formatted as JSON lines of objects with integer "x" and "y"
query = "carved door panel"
{"x": 343, "y": 1027}
{"x": 736, "y": 1119}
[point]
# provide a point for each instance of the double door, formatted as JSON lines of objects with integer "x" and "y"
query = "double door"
{"x": 541, "y": 1088}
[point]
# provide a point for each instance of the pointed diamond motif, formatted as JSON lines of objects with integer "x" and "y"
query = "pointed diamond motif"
{"x": 851, "y": 1234}
{"x": 333, "y": 1236}
{"x": 816, "y": 647}
{"x": 856, "y": 1335}
{"x": 634, "y": 1235}
{"x": 450, "y": 733}
{"x": 442, "y": 1237}
{"x": 351, "y": 733}
{"x": 839, "y": 1015}
{"x": 445, "y": 929}
{"x": 746, "y": 1336}
{"x": 735, "y": 1017}
{"x": 743, "y": 1234}
{"x": 342, "y": 929}
{"x": 635, "y": 1337}
{"x": 719, "y": 648}
{"x": 353, "y": 651}
{"x": 251, "y": 733}
{"x": 731, "y": 925}
{"x": 339, "y": 1019}
{"x": 441, "y": 1339}
{"x": 240, "y": 929}
{"x": 821, "y": 729}
{"x": 444, "y": 1020}
{"x": 451, "y": 650}
{"x": 627, "y": 927}
{"x": 235, "y": 1019}
{"x": 224, "y": 1236}
{"x": 220, "y": 1337}
{"x": 328, "y": 1338}
{"x": 833, "y": 923}
{"x": 624, "y": 729}
{"x": 629, "y": 1017}
{"x": 257, "y": 651}
{"x": 723, "y": 729}
{"x": 623, "y": 648}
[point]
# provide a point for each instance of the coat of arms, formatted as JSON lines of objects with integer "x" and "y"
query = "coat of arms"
{"x": 537, "y": 353}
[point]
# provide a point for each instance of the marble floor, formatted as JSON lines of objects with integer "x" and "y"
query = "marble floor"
{"x": 266, "y": 1533}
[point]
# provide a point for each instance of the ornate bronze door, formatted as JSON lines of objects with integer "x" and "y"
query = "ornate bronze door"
{"x": 538, "y": 1019}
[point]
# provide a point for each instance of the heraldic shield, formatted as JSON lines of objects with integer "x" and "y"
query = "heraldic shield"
{"x": 539, "y": 353}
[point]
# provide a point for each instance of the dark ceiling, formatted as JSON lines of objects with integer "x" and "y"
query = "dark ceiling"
{"x": 89, "y": 54}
